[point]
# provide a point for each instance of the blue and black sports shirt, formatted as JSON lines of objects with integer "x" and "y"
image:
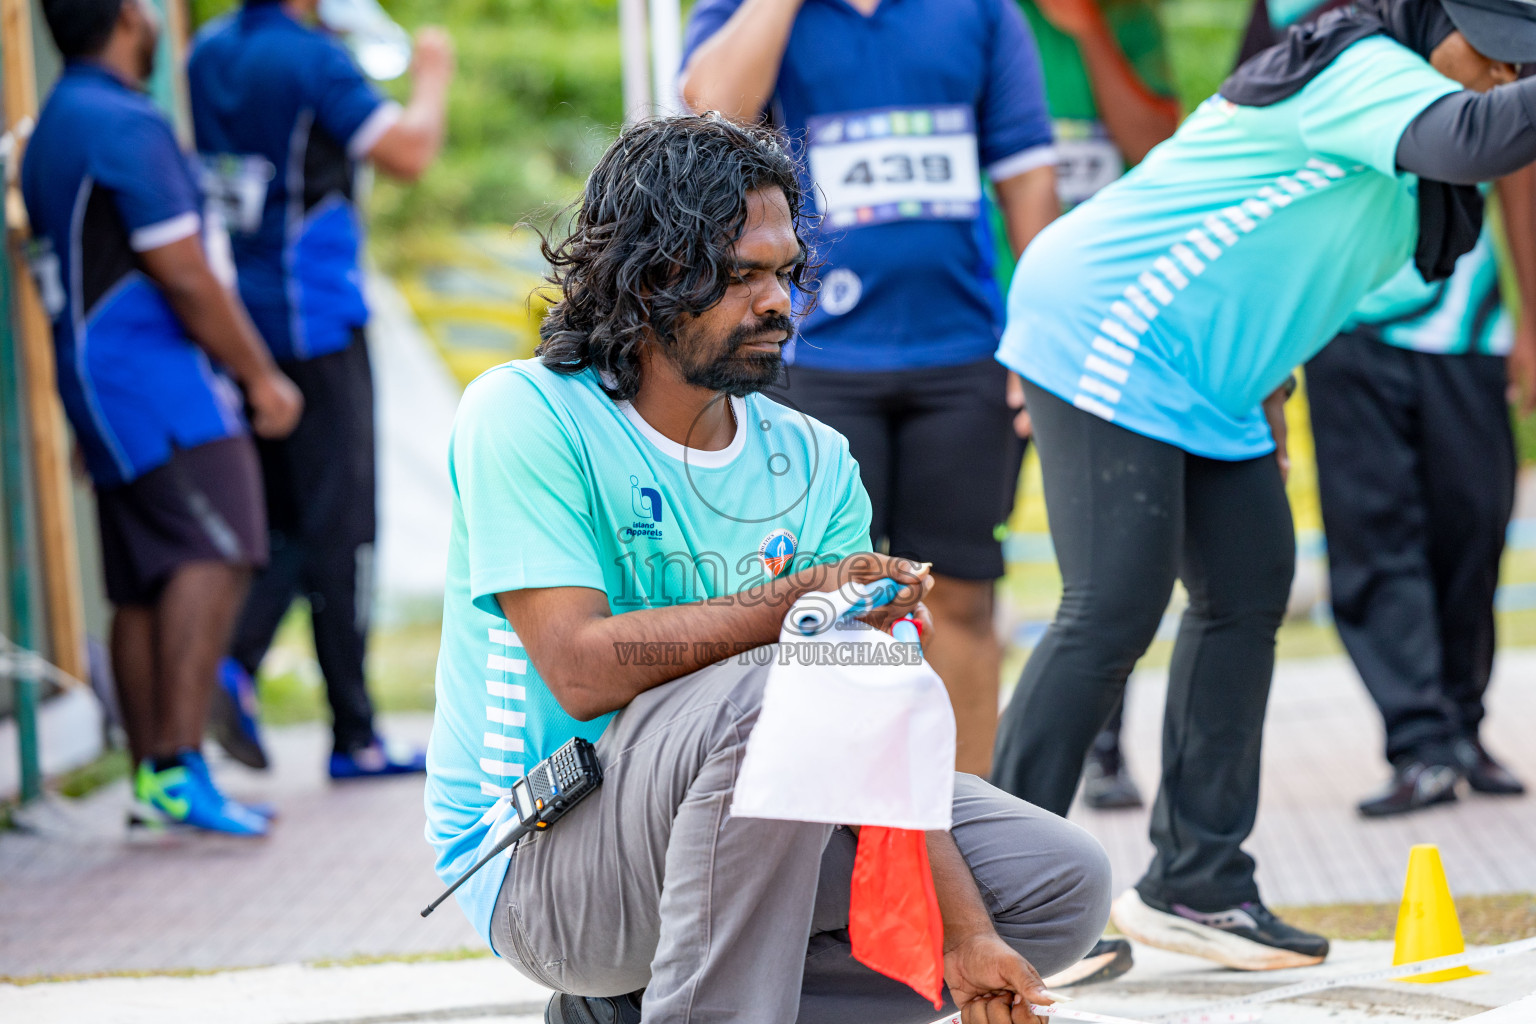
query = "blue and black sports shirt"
{"x": 103, "y": 181}
{"x": 282, "y": 115}
{"x": 897, "y": 116}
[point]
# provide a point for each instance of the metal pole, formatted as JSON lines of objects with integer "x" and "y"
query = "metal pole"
{"x": 18, "y": 544}
{"x": 635, "y": 50}
{"x": 666, "y": 55}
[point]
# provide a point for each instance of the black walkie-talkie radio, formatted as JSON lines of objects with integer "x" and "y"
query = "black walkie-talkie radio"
{"x": 541, "y": 797}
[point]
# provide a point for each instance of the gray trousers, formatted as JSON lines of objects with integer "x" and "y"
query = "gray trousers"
{"x": 651, "y": 884}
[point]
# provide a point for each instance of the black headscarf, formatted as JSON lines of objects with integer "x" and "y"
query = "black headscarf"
{"x": 1450, "y": 216}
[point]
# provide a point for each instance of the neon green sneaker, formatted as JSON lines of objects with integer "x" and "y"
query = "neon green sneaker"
{"x": 184, "y": 794}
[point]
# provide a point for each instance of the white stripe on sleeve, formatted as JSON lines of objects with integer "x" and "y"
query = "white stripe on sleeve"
{"x": 1022, "y": 161}
{"x": 384, "y": 117}
{"x": 153, "y": 236}
{"x": 516, "y": 719}
{"x": 506, "y": 691}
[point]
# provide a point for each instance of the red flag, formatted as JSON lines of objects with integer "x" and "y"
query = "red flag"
{"x": 893, "y": 912}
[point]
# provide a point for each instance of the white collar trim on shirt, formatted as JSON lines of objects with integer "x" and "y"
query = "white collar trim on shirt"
{"x": 694, "y": 456}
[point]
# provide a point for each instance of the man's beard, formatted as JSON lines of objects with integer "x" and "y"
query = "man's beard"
{"x": 733, "y": 373}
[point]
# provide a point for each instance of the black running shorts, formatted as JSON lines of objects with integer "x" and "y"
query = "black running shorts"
{"x": 204, "y": 505}
{"x": 937, "y": 453}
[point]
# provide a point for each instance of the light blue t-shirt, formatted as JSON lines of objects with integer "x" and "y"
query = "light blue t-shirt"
{"x": 557, "y": 485}
{"x": 1174, "y": 300}
{"x": 1458, "y": 315}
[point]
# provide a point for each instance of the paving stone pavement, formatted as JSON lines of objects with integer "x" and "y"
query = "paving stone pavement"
{"x": 347, "y": 869}
{"x": 1323, "y": 745}
{"x": 343, "y": 874}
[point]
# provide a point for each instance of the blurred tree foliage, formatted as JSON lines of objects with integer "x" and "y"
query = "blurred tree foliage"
{"x": 538, "y": 98}
{"x": 1202, "y": 37}
{"x": 536, "y": 101}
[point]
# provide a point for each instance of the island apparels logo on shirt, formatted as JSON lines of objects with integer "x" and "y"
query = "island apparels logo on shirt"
{"x": 646, "y": 504}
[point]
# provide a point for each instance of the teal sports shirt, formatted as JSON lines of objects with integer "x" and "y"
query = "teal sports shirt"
{"x": 557, "y": 485}
{"x": 1462, "y": 314}
{"x": 1174, "y": 300}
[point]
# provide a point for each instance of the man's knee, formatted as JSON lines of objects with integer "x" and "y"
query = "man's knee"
{"x": 1070, "y": 915}
{"x": 1046, "y": 881}
{"x": 1086, "y": 890}
{"x": 1053, "y": 919}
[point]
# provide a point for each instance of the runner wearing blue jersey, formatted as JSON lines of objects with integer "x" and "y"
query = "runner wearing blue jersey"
{"x": 284, "y": 119}
{"x": 147, "y": 339}
{"x": 1155, "y": 327}
{"x": 898, "y": 108}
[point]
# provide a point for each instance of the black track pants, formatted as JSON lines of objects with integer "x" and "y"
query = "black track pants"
{"x": 1416, "y": 470}
{"x": 1128, "y": 516}
{"x": 320, "y": 511}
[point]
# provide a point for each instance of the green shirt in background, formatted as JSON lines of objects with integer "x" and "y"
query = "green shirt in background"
{"x": 1087, "y": 158}
{"x": 1136, "y": 28}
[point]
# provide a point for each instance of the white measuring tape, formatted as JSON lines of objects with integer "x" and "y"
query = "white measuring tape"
{"x": 1235, "y": 1011}
{"x": 1302, "y": 988}
{"x": 1104, "y": 1018}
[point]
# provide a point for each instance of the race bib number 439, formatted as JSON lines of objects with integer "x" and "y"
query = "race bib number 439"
{"x": 875, "y": 166}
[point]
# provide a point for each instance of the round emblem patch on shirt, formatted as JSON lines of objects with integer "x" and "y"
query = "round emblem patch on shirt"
{"x": 777, "y": 550}
{"x": 840, "y": 291}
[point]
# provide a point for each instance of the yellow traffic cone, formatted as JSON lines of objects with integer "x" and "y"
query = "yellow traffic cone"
{"x": 1427, "y": 926}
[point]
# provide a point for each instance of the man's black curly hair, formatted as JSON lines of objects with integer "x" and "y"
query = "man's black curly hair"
{"x": 81, "y": 27}
{"x": 654, "y": 237}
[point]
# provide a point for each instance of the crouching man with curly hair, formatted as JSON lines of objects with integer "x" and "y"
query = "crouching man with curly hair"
{"x": 626, "y": 505}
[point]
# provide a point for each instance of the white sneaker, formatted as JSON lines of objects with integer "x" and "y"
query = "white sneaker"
{"x": 1245, "y": 938}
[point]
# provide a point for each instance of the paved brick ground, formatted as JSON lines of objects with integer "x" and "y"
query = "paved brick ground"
{"x": 347, "y": 869}
{"x": 1322, "y": 753}
{"x": 343, "y": 874}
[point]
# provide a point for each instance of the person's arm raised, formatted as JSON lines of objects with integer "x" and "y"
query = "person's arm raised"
{"x": 219, "y": 325}
{"x": 595, "y": 662}
{"x": 410, "y": 145}
{"x": 1136, "y": 117}
{"x": 735, "y": 69}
